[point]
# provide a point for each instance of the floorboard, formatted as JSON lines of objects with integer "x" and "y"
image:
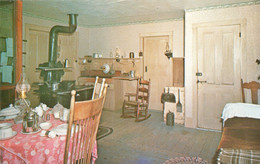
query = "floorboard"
{"x": 151, "y": 141}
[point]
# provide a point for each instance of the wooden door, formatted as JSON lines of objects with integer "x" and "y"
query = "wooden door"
{"x": 38, "y": 40}
{"x": 219, "y": 64}
{"x": 157, "y": 67}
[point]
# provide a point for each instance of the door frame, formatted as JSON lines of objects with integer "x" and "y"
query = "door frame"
{"x": 146, "y": 35}
{"x": 242, "y": 51}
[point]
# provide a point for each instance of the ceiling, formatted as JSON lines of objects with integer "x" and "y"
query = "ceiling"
{"x": 93, "y": 13}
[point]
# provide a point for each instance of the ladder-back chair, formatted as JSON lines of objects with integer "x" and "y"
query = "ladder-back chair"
{"x": 98, "y": 87}
{"x": 254, "y": 87}
{"x": 136, "y": 105}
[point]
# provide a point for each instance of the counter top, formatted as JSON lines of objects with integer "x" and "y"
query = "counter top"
{"x": 125, "y": 78}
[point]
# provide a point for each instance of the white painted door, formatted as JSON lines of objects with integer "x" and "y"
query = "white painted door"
{"x": 157, "y": 68}
{"x": 219, "y": 62}
{"x": 37, "y": 51}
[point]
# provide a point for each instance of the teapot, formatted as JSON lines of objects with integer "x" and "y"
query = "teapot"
{"x": 30, "y": 122}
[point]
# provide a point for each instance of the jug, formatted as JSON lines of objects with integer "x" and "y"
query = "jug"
{"x": 132, "y": 74}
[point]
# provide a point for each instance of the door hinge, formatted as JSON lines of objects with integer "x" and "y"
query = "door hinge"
{"x": 240, "y": 34}
{"x": 145, "y": 68}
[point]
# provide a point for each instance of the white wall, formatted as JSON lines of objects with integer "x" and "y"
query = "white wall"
{"x": 83, "y": 32}
{"x": 106, "y": 39}
{"x": 251, "y": 51}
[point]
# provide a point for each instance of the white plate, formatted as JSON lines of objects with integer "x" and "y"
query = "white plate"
{"x": 64, "y": 120}
{"x": 31, "y": 132}
{"x": 62, "y": 129}
{"x": 45, "y": 125}
{"x": 14, "y": 134}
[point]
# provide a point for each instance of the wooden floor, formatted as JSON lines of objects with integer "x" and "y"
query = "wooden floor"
{"x": 151, "y": 141}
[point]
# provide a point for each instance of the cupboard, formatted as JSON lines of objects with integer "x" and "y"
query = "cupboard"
{"x": 10, "y": 49}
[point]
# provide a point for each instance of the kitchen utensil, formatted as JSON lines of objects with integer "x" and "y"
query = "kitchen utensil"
{"x": 179, "y": 105}
{"x": 168, "y": 97}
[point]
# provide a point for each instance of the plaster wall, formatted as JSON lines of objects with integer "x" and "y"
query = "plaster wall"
{"x": 250, "y": 50}
{"x": 126, "y": 38}
{"x": 83, "y": 32}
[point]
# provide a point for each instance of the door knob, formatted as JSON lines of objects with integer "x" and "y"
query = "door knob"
{"x": 201, "y": 81}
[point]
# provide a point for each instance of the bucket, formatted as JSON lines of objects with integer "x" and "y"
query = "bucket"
{"x": 170, "y": 119}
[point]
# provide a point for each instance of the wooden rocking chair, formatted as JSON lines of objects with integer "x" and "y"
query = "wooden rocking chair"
{"x": 136, "y": 105}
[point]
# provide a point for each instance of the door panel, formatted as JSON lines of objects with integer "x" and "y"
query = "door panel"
{"x": 37, "y": 53}
{"x": 219, "y": 62}
{"x": 159, "y": 68}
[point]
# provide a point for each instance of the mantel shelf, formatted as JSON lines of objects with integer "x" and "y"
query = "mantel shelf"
{"x": 53, "y": 69}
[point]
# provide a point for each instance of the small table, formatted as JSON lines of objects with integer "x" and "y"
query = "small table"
{"x": 33, "y": 148}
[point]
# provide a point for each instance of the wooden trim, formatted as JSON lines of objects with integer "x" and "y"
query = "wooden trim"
{"x": 18, "y": 39}
{"x": 7, "y": 87}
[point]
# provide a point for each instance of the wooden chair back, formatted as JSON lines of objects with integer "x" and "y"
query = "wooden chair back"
{"x": 254, "y": 87}
{"x": 82, "y": 129}
{"x": 143, "y": 91}
{"x": 98, "y": 88}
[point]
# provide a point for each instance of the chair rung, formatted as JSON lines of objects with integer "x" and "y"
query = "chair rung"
{"x": 143, "y": 97}
{"x": 144, "y": 82}
{"x": 143, "y": 90}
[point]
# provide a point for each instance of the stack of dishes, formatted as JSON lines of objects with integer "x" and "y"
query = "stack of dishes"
{"x": 9, "y": 113}
{"x": 6, "y": 131}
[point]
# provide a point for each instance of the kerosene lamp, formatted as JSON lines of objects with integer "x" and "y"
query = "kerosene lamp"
{"x": 30, "y": 118}
{"x": 22, "y": 87}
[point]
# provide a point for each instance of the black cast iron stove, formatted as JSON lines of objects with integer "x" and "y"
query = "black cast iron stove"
{"x": 54, "y": 90}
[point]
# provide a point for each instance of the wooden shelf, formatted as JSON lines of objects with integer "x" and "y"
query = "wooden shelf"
{"x": 105, "y": 59}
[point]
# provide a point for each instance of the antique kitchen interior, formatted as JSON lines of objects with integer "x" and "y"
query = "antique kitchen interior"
{"x": 194, "y": 57}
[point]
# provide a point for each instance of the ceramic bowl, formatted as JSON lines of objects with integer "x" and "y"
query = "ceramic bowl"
{"x": 6, "y": 130}
{"x": 45, "y": 125}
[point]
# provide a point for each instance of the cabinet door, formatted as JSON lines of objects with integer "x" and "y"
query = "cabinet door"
{"x": 10, "y": 49}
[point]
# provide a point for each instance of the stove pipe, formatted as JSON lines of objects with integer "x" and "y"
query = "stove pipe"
{"x": 53, "y": 41}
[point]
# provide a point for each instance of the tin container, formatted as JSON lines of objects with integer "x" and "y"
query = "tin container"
{"x": 131, "y": 55}
{"x": 30, "y": 122}
{"x": 66, "y": 63}
{"x": 170, "y": 119}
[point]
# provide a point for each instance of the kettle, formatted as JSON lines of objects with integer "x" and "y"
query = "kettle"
{"x": 30, "y": 122}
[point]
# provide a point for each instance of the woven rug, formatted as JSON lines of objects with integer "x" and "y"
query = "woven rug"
{"x": 185, "y": 160}
{"x": 103, "y": 131}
